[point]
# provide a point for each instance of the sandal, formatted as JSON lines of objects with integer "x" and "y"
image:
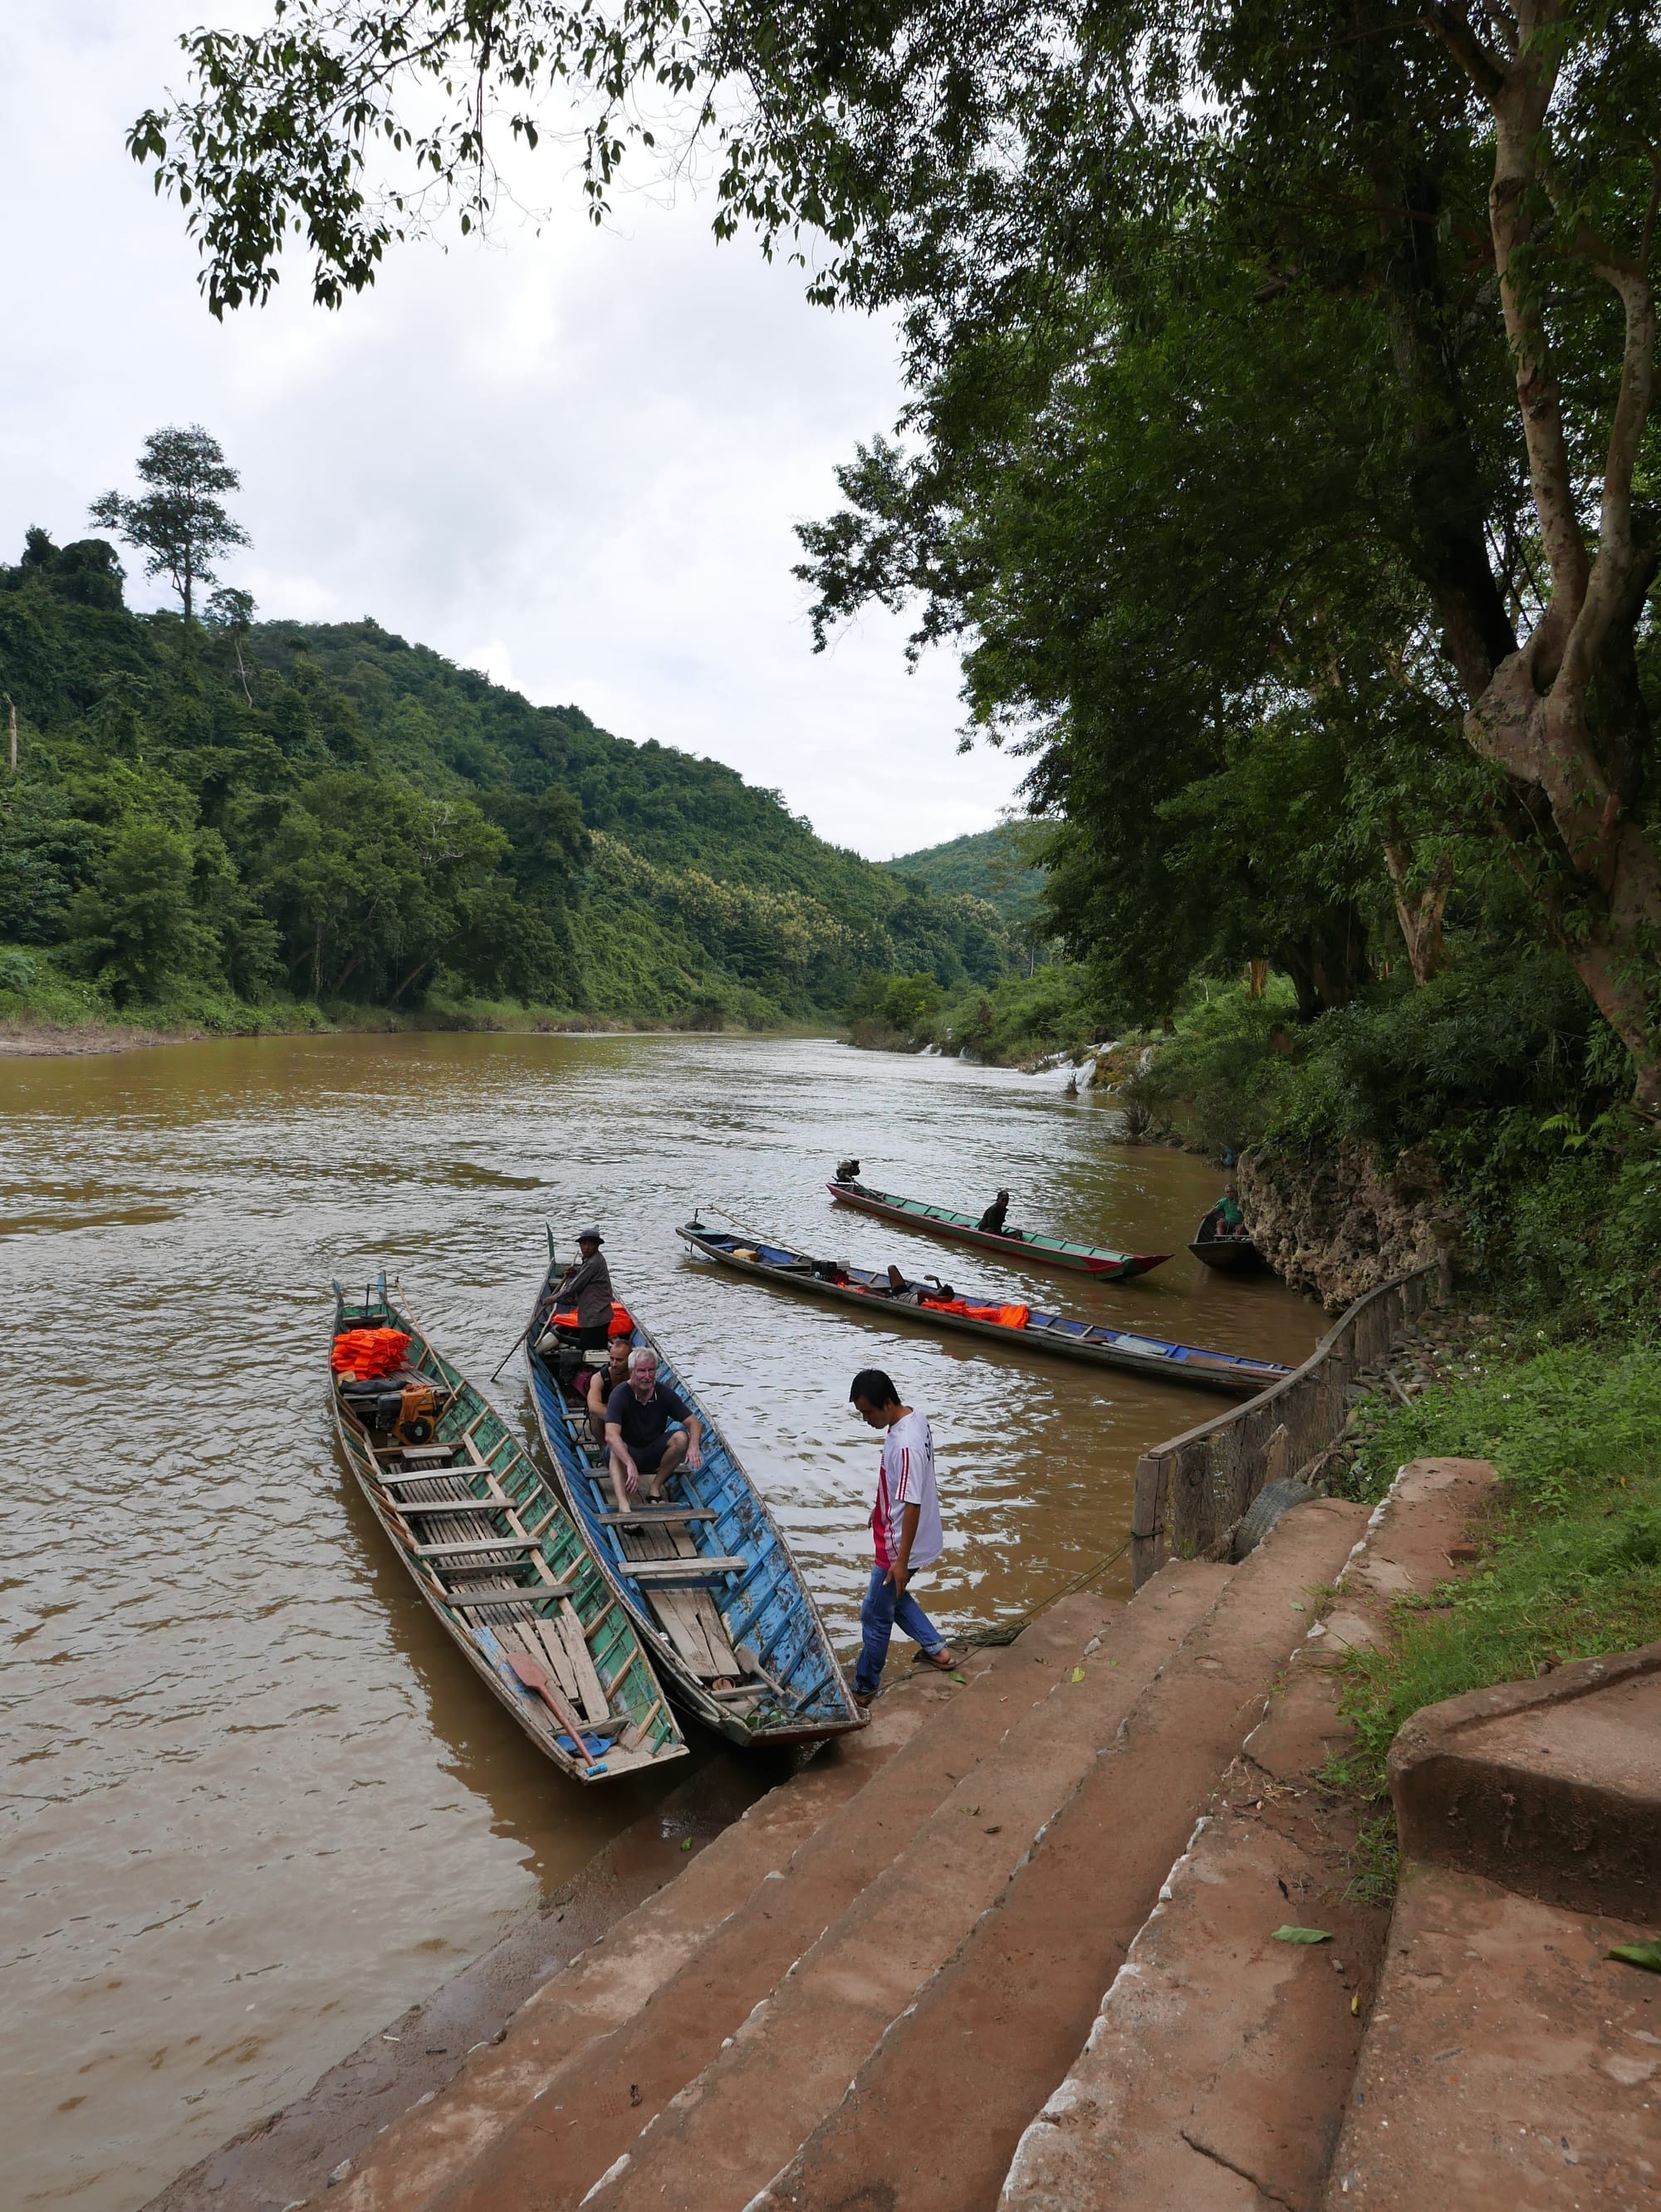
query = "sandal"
{"x": 942, "y": 1658}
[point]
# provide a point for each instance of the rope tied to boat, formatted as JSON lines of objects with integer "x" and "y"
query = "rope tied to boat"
{"x": 1005, "y": 1631}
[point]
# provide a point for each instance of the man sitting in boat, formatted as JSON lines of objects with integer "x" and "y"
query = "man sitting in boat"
{"x": 603, "y": 1382}
{"x": 651, "y": 1431}
{"x": 995, "y": 1215}
{"x": 912, "y": 1294}
{"x": 1225, "y": 1219}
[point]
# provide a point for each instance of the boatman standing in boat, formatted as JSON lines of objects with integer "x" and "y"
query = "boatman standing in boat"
{"x": 588, "y": 1280}
{"x": 905, "y": 1524}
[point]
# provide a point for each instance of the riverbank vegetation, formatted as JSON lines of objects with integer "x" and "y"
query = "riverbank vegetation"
{"x": 1571, "y": 1560}
{"x": 233, "y": 825}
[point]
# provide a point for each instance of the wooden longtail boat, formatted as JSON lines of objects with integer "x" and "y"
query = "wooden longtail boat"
{"x": 867, "y": 1291}
{"x": 964, "y": 1228}
{"x": 1227, "y": 1252}
{"x": 490, "y": 1545}
{"x": 706, "y": 1577}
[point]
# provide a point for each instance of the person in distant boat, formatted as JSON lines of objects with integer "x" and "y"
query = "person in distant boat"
{"x": 906, "y": 1293}
{"x": 1225, "y": 1220}
{"x": 604, "y": 1381}
{"x": 588, "y": 1280}
{"x": 995, "y": 1215}
{"x": 651, "y": 1431}
{"x": 905, "y": 1527}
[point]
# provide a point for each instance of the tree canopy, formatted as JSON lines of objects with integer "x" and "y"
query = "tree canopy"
{"x": 181, "y": 523}
{"x": 1282, "y": 440}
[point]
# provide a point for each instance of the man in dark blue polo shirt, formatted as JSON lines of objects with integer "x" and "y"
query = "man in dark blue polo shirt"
{"x": 651, "y": 1431}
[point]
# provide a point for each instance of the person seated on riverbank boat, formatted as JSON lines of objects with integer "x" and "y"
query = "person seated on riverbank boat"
{"x": 602, "y": 1383}
{"x": 650, "y": 1431}
{"x": 1225, "y": 1220}
{"x": 906, "y": 1293}
{"x": 587, "y": 1281}
{"x": 993, "y": 1219}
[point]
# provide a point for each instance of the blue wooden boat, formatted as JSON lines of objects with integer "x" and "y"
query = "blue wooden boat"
{"x": 707, "y": 1578}
{"x": 867, "y": 1291}
{"x": 498, "y": 1556}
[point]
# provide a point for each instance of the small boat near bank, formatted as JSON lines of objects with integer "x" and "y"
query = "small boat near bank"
{"x": 1108, "y": 1267}
{"x": 707, "y": 1578}
{"x": 493, "y": 1548}
{"x": 1229, "y": 1254}
{"x": 1015, "y": 1327}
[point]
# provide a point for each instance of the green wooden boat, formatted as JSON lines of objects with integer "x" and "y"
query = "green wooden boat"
{"x": 965, "y": 1229}
{"x": 491, "y": 1546}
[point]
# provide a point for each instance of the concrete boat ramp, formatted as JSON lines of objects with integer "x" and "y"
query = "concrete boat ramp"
{"x": 1014, "y": 1949}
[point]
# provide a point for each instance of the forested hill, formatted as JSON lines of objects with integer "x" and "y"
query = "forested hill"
{"x": 996, "y": 864}
{"x": 330, "y": 813}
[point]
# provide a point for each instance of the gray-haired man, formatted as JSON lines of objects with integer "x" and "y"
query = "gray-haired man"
{"x": 651, "y": 1431}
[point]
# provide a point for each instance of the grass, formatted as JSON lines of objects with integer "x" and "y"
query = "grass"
{"x": 1573, "y": 1560}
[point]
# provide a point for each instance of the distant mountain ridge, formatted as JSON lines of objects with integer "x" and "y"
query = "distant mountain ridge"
{"x": 993, "y": 865}
{"x": 326, "y": 813}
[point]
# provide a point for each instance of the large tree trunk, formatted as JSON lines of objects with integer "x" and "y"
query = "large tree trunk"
{"x": 1420, "y": 912}
{"x": 1563, "y": 715}
{"x": 1328, "y": 967}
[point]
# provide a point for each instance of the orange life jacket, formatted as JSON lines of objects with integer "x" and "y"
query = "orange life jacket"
{"x": 623, "y": 1322}
{"x": 367, "y": 1353}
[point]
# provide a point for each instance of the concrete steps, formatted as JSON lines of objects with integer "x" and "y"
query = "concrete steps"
{"x": 742, "y": 2119}
{"x": 938, "y": 2107}
{"x": 1510, "y": 2065}
{"x": 1218, "y": 2070}
{"x": 622, "y": 2027}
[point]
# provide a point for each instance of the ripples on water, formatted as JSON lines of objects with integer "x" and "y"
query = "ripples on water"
{"x": 244, "y": 1772}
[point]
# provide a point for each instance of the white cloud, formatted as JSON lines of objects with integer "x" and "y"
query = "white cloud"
{"x": 577, "y": 455}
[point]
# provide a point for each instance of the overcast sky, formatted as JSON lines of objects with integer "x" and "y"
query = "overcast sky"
{"x": 572, "y": 460}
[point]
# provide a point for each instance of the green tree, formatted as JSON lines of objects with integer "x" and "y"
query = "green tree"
{"x": 137, "y": 925}
{"x": 181, "y": 523}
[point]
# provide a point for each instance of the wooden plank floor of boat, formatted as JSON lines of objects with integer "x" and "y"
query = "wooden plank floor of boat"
{"x": 688, "y": 1618}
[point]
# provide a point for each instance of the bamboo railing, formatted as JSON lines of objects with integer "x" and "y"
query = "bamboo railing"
{"x": 1190, "y": 1491}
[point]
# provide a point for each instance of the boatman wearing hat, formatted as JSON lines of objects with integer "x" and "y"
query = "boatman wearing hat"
{"x": 588, "y": 1280}
{"x": 905, "y": 1524}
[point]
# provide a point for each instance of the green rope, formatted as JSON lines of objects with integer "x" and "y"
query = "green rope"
{"x": 1006, "y": 1631}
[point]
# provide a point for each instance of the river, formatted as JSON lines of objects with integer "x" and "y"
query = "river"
{"x": 252, "y": 1807}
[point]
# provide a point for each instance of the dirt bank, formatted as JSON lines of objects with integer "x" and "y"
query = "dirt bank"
{"x": 41, "y": 1040}
{"x": 1339, "y": 1226}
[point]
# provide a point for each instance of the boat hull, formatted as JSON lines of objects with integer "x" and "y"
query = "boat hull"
{"x": 618, "y": 1658}
{"x": 1229, "y": 1255}
{"x": 1042, "y": 1251}
{"x": 1045, "y": 1334}
{"x": 766, "y": 1606}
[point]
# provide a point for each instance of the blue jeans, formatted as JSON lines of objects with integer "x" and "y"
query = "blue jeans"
{"x": 879, "y": 1616}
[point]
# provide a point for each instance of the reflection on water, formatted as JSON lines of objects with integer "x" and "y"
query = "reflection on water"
{"x": 253, "y": 1805}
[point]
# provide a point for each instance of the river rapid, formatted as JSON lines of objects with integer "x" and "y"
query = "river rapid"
{"x": 253, "y": 1805}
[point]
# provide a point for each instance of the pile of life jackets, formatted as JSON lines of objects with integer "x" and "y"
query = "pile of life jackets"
{"x": 1005, "y": 1316}
{"x": 622, "y": 1323}
{"x": 363, "y": 1355}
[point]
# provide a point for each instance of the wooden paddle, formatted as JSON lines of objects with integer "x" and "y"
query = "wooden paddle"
{"x": 536, "y": 1679}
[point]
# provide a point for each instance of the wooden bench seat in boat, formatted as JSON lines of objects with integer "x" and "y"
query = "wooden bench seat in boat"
{"x": 691, "y": 1569}
{"x": 673, "y": 1516}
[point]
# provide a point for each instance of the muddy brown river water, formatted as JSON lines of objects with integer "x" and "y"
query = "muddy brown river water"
{"x": 252, "y": 1806}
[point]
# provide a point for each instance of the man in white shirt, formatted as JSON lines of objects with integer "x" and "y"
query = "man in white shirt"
{"x": 906, "y": 1525}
